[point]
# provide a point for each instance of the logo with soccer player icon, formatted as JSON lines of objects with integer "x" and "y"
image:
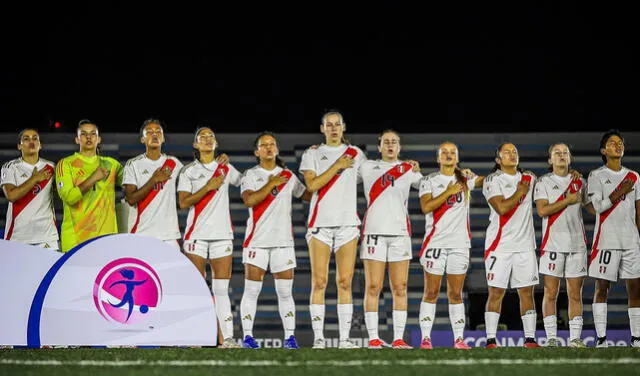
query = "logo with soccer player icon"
{"x": 127, "y": 291}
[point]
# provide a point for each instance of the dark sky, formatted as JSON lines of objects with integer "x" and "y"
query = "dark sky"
{"x": 245, "y": 69}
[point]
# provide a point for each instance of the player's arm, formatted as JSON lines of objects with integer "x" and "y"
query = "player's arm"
{"x": 315, "y": 182}
{"x": 428, "y": 203}
{"x": 306, "y": 196}
{"x": 638, "y": 214}
{"x": 69, "y": 193}
{"x": 479, "y": 181}
{"x": 188, "y": 199}
{"x": 546, "y": 209}
{"x": 133, "y": 194}
{"x": 504, "y": 205}
{"x": 253, "y": 198}
{"x": 14, "y": 193}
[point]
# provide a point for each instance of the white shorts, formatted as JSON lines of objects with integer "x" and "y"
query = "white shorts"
{"x": 208, "y": 249}
{"x": 52, "y": 245}
{"x": 607, "y": 263}
{"x": 334, "y": 237}
{"x": 517, "y": 269}
{"x": 452, "y": 260}
{"x": 385, "y": 248}
{"x": 563, "y": 264}
{"x": 280, "y": 258}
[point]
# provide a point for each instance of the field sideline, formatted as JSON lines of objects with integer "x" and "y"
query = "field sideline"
{"x": 164, "y": 361}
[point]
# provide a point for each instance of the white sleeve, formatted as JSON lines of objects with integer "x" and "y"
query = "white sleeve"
{"x": 540, "y": 191}
{"x": 235, "y": 178}
{"x": 491, "y": 188}
{"x": 7, "y": 176}
{"x": 596, "y": 196}
{"x": 471, "y": 183}
{"x": 177, "y": 169}
{"x": 636, "y": 188}
{"x": 184, "y": 183}
{"x": 308, "y": 162}
{"x": 585, "y": 196}
{"x": 416, "y": 179}
{"x": 248, "y": 182}
{"x": 298, "y": 188}
{"x": 129, "y": 174}
{"x": 425, "y": 186}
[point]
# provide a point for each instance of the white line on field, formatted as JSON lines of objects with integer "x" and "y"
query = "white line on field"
{"x": 314, "y": 363}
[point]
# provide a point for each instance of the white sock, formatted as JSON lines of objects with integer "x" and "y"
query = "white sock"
{"x": 634, "y": 321}
{"x": 600, "y": 318}
{"x": 345, "y": 313}
{"x": 457, "y": 318}
{"x": 529, "y": 323}
{"x": 575, "y": 328}
{"x": 220, "y": 288}
{"x": 286, "y": 305}
{"x": 491, "y": 323}
{"x": 317, "y": 320}
{"x": 371, "y": 321}
{"x": 248, "y": 305}
{"x": 399, "y": 322}
{"x": 550, "y": 326}
{"x": 427, "y": 316}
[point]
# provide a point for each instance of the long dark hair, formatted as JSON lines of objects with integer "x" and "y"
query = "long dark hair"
{"x": 496, "y": 166}
{"x": 457, "y": 171}
{"x": 28, "y": 129}
{"x": 327, "y": 113}
{"x": 279, "y": 161}
{"x": 196, "y": 152}
{"x": 605, "y": 138}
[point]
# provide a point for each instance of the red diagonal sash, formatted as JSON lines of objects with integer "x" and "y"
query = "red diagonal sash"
{"x": 142, "y": 205}
{"x": 200, "y": 205}
{"x": 573, "y": 187}
{"x": 20, "y": 204}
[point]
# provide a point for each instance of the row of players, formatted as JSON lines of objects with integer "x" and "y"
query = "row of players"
{"x": 86, "y": 184}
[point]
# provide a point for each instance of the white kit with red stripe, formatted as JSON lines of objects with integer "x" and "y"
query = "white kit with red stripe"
{"x": 335, "y": 204}
{"x": 448, "y": 225}
{"x": 269, "y": 224}
{"x": 386, "y": 187}
{"x": 30, "y": 219}
{"x": 562, "y": 231}
{"x": 209, "y": 219}
{"x": 156, "y": 214}
{"x": 615, "y": 227}
{"x": 512, "y": 231}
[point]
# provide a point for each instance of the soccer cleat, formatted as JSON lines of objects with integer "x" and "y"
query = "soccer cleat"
{"x": 376, "y": 344}
{"x": 552, "y": 342}
{"x": 346, "y": 344}
{"x": 290, "y": 343}
{"x": 400, "y": 344}
{"x": 250, "y": 343}
{"x": 602, "y": 342}
{"x": 491, "y": 343}
{"x": 530, "y": 343}
{"x": 426, "y": 344}
{"x": 229, "y": 343}
{"x": 319, "y": 344}
{"x": 635, "y": 341}
{"x": 460, "y": 345}
{"x": 577, "y": 343}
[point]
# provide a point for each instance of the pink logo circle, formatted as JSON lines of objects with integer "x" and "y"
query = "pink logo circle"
{"x": 127, "y": 291}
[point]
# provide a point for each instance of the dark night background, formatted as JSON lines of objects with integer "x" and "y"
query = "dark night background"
{"x": 242, "y": 68}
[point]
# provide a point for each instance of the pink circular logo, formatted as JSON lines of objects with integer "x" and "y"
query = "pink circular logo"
{"x": 127, "y": 291}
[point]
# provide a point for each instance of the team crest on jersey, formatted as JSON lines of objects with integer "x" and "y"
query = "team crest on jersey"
{"x": 60, "y": 185}
{"x": 36, "y": 189}
{"x": 401, "y": 169}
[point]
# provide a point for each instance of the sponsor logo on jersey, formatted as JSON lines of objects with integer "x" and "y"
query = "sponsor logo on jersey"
{"x": 324, "y": 158}
{"x": 441, "y": 186}
{"x": 376, "y": 167}
{"x": 608, "y": 181}
{"x": 289, "y": 314}
{"x": 555, "y": 187}
{"x": 23, "y": 175}
{"x": 290, "y": 262}
{"x": 201, "y": 176}
{"x": 145, "y": 171}
{"x": 260, "y": 179}
{"x": 228, "y": 249}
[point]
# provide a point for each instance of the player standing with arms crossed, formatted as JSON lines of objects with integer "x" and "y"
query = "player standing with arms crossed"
{"x": 386, "y": 234}
{"x": 614, "y": 194}
{"x": 267, "y": 190}
{"x": 27, "y": 185}
{"x": 203, "y": 187}
{"x": 331, "y": 174}
{"x": 445, "y": 200}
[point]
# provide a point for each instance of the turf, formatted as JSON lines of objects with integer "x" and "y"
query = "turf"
{"x": 187, "y": 361}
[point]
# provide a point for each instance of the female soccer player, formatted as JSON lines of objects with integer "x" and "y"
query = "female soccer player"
{"x": 203, "y": 187}
{"x": 510, "y": 242}
{"x": 445, "y": 199}
{"x": 331, "y": 173}
{"x": 563, "y": 251}
{"x": 386, "y": 234}
{"x": 267, "y": 190}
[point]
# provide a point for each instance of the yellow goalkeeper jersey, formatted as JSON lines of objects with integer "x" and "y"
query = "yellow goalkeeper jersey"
{"x": 92, "y": 214}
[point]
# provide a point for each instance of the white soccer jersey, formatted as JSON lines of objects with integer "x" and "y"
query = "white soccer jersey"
{"x": 209, "y": 219}
{"x": 448, "y": 225}
{"x": 156, "y": 214}
{"x": 386, "y": 187}
{"x": 564, "y": 230}
{"x": 615, "y": 227}
{"x": 513, "y": 231}
{"x": 31, "y": 219}
{"x": 269, "y": 224}
{"x": 335, "y": 204}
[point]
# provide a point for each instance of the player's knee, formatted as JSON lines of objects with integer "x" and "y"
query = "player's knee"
{"x": 431, "y": 295}
{"x": 551, "y": 293}
{"x": 601, "y": 293}
{"x": 455, "y": 297}
{"x": 344, "y": 283}
{"x": 319, "y": 283}
{"x": 374, "y": 288}
{"x": 399, "y": 290}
